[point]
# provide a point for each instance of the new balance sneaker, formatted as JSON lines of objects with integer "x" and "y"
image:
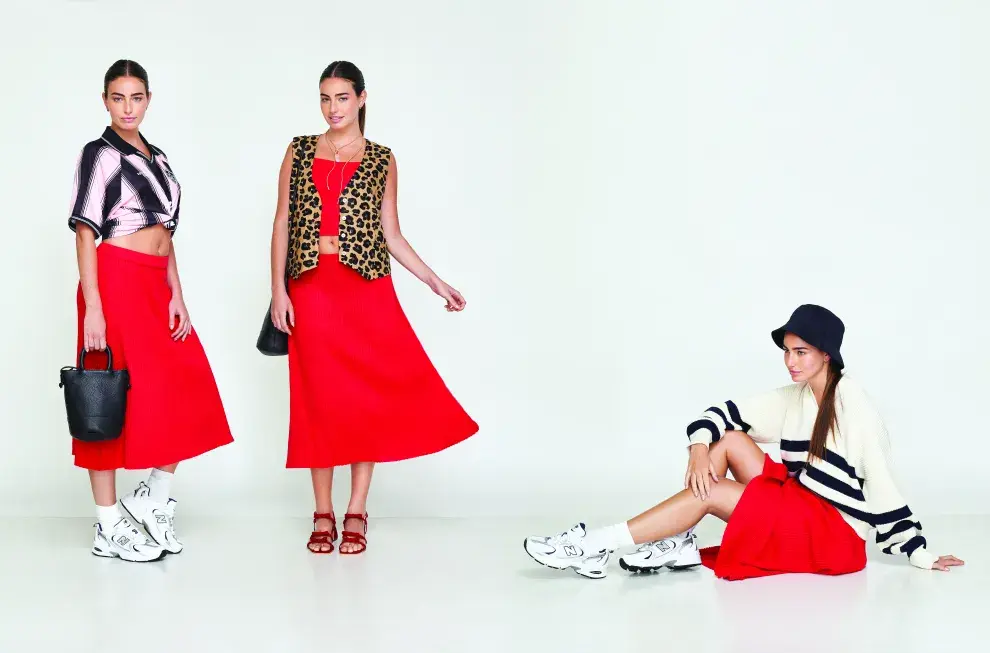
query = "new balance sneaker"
{"x": 566, "y": 551}
{"x": 678, "y": 552}
{"x": 156, "y": 518}
{"x": 126, "y": 542}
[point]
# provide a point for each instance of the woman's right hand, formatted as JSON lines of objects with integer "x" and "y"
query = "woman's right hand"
{"x": 283, "y": 315}
{"x": 94, "y": 331}
{"x": 944, "y": 563}
{"x": 700, "y": 472}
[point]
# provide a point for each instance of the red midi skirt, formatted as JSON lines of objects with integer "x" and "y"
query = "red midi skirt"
{"x": 174, "y": 411}
{"x": 361, "y": 386}
{"x": 780, "y": 527}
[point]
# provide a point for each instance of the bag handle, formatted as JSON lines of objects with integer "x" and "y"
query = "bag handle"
{"x": 82, "y": 358}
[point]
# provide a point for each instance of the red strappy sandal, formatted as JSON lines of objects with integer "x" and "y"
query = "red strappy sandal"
{"x": 319, "y": 539}
{"x": 352, "y": 537}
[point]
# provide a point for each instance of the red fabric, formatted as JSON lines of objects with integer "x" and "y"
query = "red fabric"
{"x": 174, "y": 410}
{"x": 330, "y": 177}
{"x": 361, "y": 386}
{"x": 781, "y": 527}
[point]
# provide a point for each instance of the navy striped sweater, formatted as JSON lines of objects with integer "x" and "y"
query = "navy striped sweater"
{"x": 855, "y": 475}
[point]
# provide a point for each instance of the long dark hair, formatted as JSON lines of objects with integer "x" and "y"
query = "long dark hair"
{"x": 350, "y": 72}
{"x": 826, "y": 420}
{"x": 125, "y": 68}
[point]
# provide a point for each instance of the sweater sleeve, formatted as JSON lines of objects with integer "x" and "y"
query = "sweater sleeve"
{"x": 761, "y": 417}
{"x": 897, "y": 529}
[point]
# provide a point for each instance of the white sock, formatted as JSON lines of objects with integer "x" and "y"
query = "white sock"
{"x": 610, "y": 537}
{"x": 108, "y": 516}
{"x": 160, "y": 484}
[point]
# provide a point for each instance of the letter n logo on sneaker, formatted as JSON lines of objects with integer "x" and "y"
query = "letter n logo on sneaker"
{"x": 570, "y": 550}
{"x": 161, "y": 519}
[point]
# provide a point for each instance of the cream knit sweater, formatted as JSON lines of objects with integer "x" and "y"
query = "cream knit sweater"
{"x": 855, "y": 475}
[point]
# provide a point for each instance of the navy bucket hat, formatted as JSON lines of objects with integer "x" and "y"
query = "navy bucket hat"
{"x": 817, "y": 326}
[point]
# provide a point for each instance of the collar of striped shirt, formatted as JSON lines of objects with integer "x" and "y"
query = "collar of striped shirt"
{"x": 114, "y": 140}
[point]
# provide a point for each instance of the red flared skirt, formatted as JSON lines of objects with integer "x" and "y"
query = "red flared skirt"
{"x": 174, "y": 411}
{"x": 361, "y": 386}
{"x": 781, "y": 527}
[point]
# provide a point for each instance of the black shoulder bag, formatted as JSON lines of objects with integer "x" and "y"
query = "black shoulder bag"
{"x": 271, "y": 341}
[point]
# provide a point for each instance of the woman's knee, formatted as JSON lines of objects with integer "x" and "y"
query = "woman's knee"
{"x": 744, "y": 456}
{"x": 728, "y": 441}
{"x": 722, "y": 497}
{"x": 731, "y": 436}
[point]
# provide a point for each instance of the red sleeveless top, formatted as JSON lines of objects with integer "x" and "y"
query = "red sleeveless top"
{"x": 330, "y": 177}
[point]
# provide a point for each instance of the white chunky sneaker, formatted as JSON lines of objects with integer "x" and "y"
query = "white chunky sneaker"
{"x": 157, "y": 519}
{"x": 566, "y": 551}
{"x": 678, "y": 552}
{"x": 126, "y": 542}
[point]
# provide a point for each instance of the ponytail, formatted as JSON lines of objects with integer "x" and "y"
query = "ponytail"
{"x": 827, "y": 419}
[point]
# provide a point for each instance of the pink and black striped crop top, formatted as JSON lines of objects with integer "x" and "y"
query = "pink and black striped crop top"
{"x": 117, "y": 190}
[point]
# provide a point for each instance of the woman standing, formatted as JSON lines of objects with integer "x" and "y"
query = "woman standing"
{"x": 130, "y": 306}
{"x": 810, "y": 514}
{"x": 362, "y": 388}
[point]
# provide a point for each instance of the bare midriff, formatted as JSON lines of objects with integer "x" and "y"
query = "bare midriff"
{"x": 329, "y": 244}
{"x": 155, "y": 240}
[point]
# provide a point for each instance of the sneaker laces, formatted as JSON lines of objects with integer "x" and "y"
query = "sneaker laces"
{"x": 561, "y": 538}
{"x": 649, "y": 545}
{"x": 675, "y": 541}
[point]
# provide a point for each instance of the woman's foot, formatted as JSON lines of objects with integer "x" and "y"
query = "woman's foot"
{"x": 123, "y": 540}
{"x": 355, "y": 530}
{"x": 677, "y": 552}
{"x": 158, "y": 519}
{"x": 324, "y": 533}
{"x": 570, "y": 550}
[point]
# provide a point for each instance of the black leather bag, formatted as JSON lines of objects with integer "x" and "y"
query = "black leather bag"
{"x": 271, "y": 341}
{"x": 95, "y": 400}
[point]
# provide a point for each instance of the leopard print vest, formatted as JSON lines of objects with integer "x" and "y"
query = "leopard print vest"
{"x": 362, "y": 239}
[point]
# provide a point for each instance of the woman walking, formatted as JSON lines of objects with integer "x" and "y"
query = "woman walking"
{"x": 362, "y": 388}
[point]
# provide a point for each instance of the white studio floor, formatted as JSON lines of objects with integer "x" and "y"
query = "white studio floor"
{"x": 459, "y": 586}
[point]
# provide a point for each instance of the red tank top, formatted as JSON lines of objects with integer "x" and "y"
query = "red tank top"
{"x": 329, "y": 177}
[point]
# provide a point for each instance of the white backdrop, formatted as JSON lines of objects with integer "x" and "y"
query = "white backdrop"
{"x": 630, "y": 196}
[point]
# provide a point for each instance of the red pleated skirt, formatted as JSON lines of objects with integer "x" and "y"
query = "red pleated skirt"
{"x": 780, "y": 527}
{"x": 174, "y": 411}
{"x": 361, "y": 386}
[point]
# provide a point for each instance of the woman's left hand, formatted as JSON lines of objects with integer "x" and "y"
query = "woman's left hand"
{"x": 944, "y": 562}
{"x": 177, "y": 309}
{"x": 455, "y": 301}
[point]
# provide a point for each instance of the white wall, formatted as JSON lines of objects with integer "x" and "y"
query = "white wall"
{"x": 630, "y": 198}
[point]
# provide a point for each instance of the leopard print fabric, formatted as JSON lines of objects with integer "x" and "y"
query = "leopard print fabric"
{"x": 362, "y": 239}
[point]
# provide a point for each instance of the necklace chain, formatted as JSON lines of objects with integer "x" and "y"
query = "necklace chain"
{"x": 336, "y": 150}
{"x": 340, "y": 190}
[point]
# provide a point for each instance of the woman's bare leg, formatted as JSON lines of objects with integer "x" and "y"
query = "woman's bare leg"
{"x": 323, "y": 493}
{"x": 360, "y": 486}
{"x": 737, "y": 453}
{"x": 104, "y": 484}
{"x": 684, "y": 510}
